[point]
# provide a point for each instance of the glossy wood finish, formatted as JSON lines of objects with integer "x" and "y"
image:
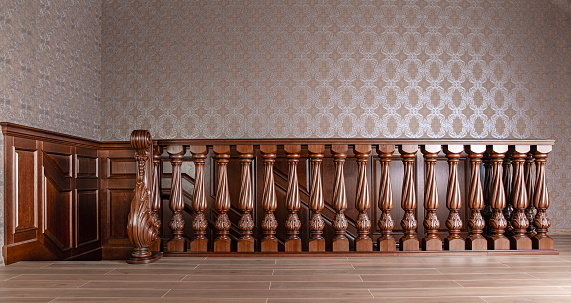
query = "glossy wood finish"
{"x": 199, "y": 205}
{"x": 529, "y": 184}
{"x": 476, "y": 200}
{"x": 293, "y": 224}
{"x": 156, "y": 199}
{"x": 269, "y": 202}
{"x": 177, "y": 242}
{"x": 316, "y": 204}
{"x": 246, "y": 224}
{"x": 431, "y": 241}
{"x": 386, "y": 242}
{"x": 363, "y": 199}
{"x": 520, "y": 200}
{"x": 453, "y": 200}
{"x": 222, "y": 203}
{"x": 408, "y": 242}
{"x": 340, "y": 242}
{"x": 541, "y": 199}
{"x": 498, "y": 222}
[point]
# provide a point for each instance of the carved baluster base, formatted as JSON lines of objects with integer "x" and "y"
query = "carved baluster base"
{"x": 454, "y": 244}
{"x": 222, "y": 245}
{"x": 177, "y": 245}
{"x": 364, "y": 244}
{"x": 431, "y": 244}
{"x": 476, "y": 243}
{"x": 388, "y": 244}
{"x": 542, "y": 243}
{"x": 520, "y": 243}
{"x": 340, "y": 244}
{"x": 317, "y": 245}
{"x": 269, "y": 245}
{"x": 293, "y": 245}
{"x": 498, "y": 243}
{"x": 246, "y": 245}
{"x": 409, "y": 244}
{"x": 199, "y": 245}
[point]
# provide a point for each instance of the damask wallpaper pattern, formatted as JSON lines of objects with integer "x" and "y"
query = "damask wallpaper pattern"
{"x": 276, "y": 69}
{"x": 50, "y": 69}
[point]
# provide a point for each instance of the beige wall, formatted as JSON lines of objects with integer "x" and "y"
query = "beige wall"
{"x": 274, "y": 69}
{"x": 50, "y": 69}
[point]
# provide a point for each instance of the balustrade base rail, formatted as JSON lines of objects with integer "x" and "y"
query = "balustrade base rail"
{"x": 502, "y": 211}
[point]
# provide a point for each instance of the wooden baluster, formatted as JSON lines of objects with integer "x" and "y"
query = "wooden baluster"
{"x": 498, "y": 223}
{"x": 156, "y": 200}
{"x": 408, "y": 203}
{"x": 269, "y": 202}
{"x": 541, "y": 199}
{"x": 519, "y": 240}
{"x": 140, "y": 228}
{"x": 363, "y": 199}
{"x": 431, "y": 241}
{"x": 199, "y": 205}
{"x": 476, "y": 200}
{"x": 508, "y": 183}
{"x": 529, "y": 185}
{"x": 488, "y": 178}
{"x": 246, "y": 224}
{"x": 453, "y": 200}
{"x": 317, "y": 242}
{"x": 176, "y": 224}
{"x": 386, "y": 242}
{"x": 222, "y": 202}
{"x": 293, "y": 224}
{"x": 340, "y": 242}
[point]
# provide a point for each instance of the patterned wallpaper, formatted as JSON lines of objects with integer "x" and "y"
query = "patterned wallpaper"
{"x": 50, "y": 69}
{"x": 421, "y": 69}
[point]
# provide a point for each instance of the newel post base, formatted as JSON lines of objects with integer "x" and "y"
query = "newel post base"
{"x": 142, "y": 256}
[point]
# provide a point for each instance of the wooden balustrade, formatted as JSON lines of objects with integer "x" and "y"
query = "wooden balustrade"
{"x": 310, "y": 182}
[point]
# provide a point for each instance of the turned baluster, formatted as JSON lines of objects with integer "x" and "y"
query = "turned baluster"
{"x": 498, "y": 223}
{"x": 453, "y": 200}
{"x": 293, "y": 224}
{"x": 508, "y": 183}
{"x": 156, "y": 199}
{"x": 316, "y": 242}
{"x": 431, "y": 241}
{"x": 386, "y": 242}
{"x": 222, "y": 202}
{"x": 246, "y": 202}
{"x": 408, "y": 202}
{"x": 488, "y": 178}
{"x": 140, "y": 228}
{"x": 541, "y": 199}
{"x": 363, "y": 199}
{"x": 269, "y": 202}
{"x": 476, "y": 200}
{"x": 176, "y": 204}
{"x": 199, "y": 205}
{"x": 519, "y": 240}
{"x": 340, "y": 242}
{"x": 529, "y": 185}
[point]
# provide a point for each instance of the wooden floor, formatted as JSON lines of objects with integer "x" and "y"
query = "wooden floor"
{"x": 383, "y": 279}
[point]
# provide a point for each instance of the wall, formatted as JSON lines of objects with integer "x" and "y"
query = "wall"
{"x": 422, "y": 69}
{"x": 50, "y": 68}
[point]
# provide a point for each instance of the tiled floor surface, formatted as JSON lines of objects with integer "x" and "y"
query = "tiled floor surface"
{"x": 382, "y": 279}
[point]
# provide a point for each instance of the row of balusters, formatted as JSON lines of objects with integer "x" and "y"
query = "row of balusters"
{"x": 509, "y": 203}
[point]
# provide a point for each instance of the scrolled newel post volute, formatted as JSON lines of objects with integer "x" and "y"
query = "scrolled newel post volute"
{"x": 140, "y": 228}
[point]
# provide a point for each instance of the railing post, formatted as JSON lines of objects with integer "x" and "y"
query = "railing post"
{"x": 519, "y": 240}
{"x": 508, "y": 183}
{"x": 476, "y": 199}
{"x": 199, "y": 205}
{"x": 530, "y": 186}
{"x": 316, "y": 242}
{"x": 177, "y": 242}
{"x": 541, "y": 199}
{"x": 363, "y": 199}
{"x": 293, "y": 224}
{"x": 386, "y": 242}
{"x": 408, "y": 242}
{"x": 431, "y": 241}
{"x": 269, "y": 202}
{"x": 222, "y": 202}
{"x": 453, "y": 200}
{"x": 340, "y": 242}
{"x": 156, "y": 199}
{"x": 246, "y": 224}
{"x": 498, "y": 223}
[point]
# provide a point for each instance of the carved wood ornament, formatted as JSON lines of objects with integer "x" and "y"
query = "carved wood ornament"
{"x": 316, "y": 225}
{"x": 386, "y": 242}
{"x": 340, "y": 242}
{"x": 408, "y": 203}
{"x": 431, "y": 241}
{"x": 199, "y": 205}
{"x": 363, "y": 200}
{"x": 476, "y": 200}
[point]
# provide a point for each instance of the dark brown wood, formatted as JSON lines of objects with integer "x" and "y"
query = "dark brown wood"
{"x": 431, "y": 241}
{"x": 453, "y": 200}
{"x": 408, "y": 242}
{"x": 222, "y": 242}
{"x": 316, "y": 225}
{"x": 269, "y": 202}
{"x": 199, "y": 243}
{"x": 541, "y": 199}
{"x": 363, "y": 199}
{"x": 508, "y": 183}
{"x": 156, "y": 199}
{"x": 177, "y": 242}
{"x": 246, "y": 224}
{"x": 340, "y": 242}
{"x": 476, "y": 200}
{"x": 498, "y": 223}
{"x": 519, "y": 240}
{"x": 293, "y": 224}
{"x": 530, "y": 186}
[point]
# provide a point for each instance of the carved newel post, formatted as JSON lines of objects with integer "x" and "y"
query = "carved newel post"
{"x": 293, "y": 224}
{"x": 498, "y": 223}
{"x": 316, "y": 242}
{"x": 156, "y": 196}
{"x": 140, "y": 227}
{"x": 222, "y": 201}
{"x": 541, "y": 199}
{"x": 199, "y": 205}
{"x": 386, "y": 242}
{"x": 431, "y": 241}
{"x": 363, "y": 200}
{"x": 269, "y": 202}
{"x": 476, "y": 200}
{"x": 408, "y": 201}
{"x": 453, "y": 200}
{"x": 519, "y": 240}
{"x": 246, "y": 224}
{"x": 177, "y": 242}
{"x": 340, "y": 242}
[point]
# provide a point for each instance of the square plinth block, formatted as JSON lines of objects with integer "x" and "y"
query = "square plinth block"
{"x": 222, "y": 245}
{"x": 156, "y": 245}
{"x": 476, "y": 244}
{"x": 542, "y": 243}
{"x": 269, "y": 245}
{"x": 293, "y": 245}
{"x": 364, "y": 244}
{"x": 177, "y": 245}
{"x": 317, "y": 245}
{"x": 431, "y": 244}
{"x": 341, "y": 244}
{"x": 410, "y": 244}
{"x": 199, "y": 245}
{"x": 245, "y": 245}
{"x": 501, "y": 243}
{"x": 523, "y": 243}
{"x": 454, "y": 244}
{"x": 387, "y": 244}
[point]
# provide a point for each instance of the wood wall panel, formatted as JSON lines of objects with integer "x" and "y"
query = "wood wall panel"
{"x": 26, "y": 190}
{"x": 87, "y": 224}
